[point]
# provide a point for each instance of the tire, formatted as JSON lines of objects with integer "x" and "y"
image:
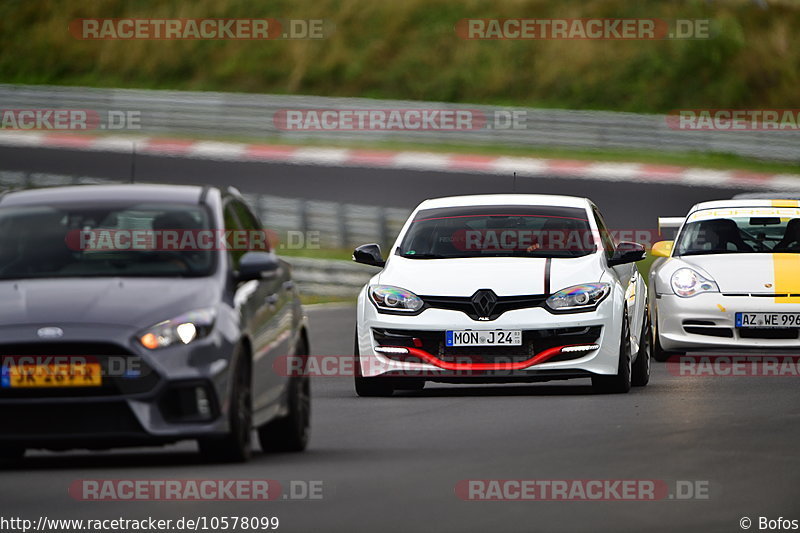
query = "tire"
{"x": 659, "y": 354}
{"x": 235, "y": 447}
{"x": 291, "y": 433}
{"x": 369, "y": 387}
{"x": 619, "y": 383}
{"x": 11, "y": 455}
{"x": 640, "y": 371}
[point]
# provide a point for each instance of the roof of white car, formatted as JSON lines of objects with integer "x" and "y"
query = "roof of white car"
{"x": 717, "y": 204}
{"x": 506, "y": 199}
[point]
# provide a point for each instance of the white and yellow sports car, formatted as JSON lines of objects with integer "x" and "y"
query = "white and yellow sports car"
{"x": 730, "y": 280}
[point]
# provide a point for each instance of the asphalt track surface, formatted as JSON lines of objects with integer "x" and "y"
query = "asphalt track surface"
{"x": 626, "y": 205}
{"x": 392, "y": 464}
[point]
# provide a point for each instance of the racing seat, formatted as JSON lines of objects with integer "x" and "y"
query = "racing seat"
{"x": 558, "y": 234}
{"x": 179, "y": 222}
{"x": 40, "y": 247}
{"x": 791, "y": 238}
{"x": 722, "y": 232}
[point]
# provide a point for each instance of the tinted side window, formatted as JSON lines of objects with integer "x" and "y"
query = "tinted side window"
{"x": 232, "y": 223}
{"x": 256, "y": 236}
{"x": 248, "y": 219}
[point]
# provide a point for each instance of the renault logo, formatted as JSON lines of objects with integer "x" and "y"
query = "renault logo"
{"x": 483, "y": 301}
{"x": 50, "y": 332}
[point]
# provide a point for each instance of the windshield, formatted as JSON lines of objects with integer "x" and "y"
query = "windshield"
{"x": 743, "y": 231}
{"x": 79, "y": 241}
{"x": 498, "y": 231}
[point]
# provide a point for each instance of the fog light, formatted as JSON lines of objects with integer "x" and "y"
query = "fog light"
{"x": 203, "y": 405}
{"x": 394, "y": 350}
{"x": 580, "y": 348}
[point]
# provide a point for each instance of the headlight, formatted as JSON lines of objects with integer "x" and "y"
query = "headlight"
{"x": 184, "y": 328}
{"x": 579, "y": 297}
{"x": 687, "y": 282}
{"x": 388, "y": 298}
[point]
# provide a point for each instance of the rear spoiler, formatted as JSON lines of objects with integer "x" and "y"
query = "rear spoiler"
{"x": 669, "y": 223}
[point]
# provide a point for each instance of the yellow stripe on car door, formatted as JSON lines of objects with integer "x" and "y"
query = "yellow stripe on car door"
{"x": 787, "y": 266}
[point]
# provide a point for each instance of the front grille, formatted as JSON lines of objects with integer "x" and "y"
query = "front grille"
{"x": 710, "y": 331}
{"x": 124, "y": 373}
{"x": 708, "y": 328}
{"x": 70, "y": 419}
{"x": 465, "y": 304}
{"x": 533, "y": 342}
{"x": 768, "y": 333}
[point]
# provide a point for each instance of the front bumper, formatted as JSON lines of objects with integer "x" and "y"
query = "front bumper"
{"x": 540, "y": 357}
{"x": 145, "y": 397}
{"x": 707, "y": 321}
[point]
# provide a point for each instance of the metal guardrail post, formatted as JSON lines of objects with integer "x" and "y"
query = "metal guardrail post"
{"x": 303, "y": 216}
{"x": 383, "y": 228}
{"x": 344, "y": 236}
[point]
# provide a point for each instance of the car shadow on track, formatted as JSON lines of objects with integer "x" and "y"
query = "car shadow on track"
{"x": 139, "y": 458}
{"x": 499, "y": 390}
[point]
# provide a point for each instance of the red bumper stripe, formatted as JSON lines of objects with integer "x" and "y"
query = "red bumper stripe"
{"x": 540, "y": 357}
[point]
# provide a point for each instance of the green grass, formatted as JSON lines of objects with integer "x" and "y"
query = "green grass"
{"x": 409, "y": 50}
{"x": 645, "y": 265}
{"x": 314, "y": 299}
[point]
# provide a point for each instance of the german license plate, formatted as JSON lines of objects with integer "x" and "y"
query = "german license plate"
{"x": 767, "y": 320}
{"x": 58, "y": 375}
{"x": 497, "y": 337}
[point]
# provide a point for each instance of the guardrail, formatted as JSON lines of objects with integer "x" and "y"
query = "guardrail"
{"x": 211, "y": 114}
{"x": 299, "y": 223}
{"x": 340, "y": 279}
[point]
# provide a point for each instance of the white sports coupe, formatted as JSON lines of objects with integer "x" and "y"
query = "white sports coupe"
{"x": 502, "y": 288}
{"x": 731, "y": 279}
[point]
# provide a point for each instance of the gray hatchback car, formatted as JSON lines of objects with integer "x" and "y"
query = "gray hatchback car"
{"x": 109, "y": 339}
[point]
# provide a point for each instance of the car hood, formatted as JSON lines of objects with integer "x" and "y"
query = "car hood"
{"x": 765, "y": 273}
{"x": 506, "y": 276}
{"x": 133, "y": 302}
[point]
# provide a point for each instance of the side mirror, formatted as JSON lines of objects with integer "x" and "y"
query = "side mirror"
{"x": 369, "y": 254}
{"x": 627, "y": 252}
{"x": 662, "y": 249}
{"x": 257, "y": 265}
